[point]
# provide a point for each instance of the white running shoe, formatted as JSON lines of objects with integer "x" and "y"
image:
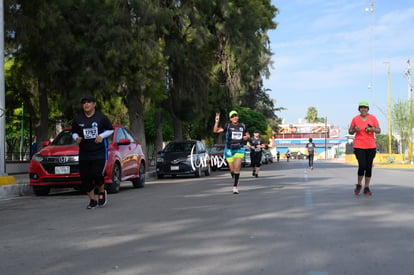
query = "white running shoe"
{"x": 235, "y": 190}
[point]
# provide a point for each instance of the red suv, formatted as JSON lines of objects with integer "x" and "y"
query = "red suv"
{"x": 57, "y": 164}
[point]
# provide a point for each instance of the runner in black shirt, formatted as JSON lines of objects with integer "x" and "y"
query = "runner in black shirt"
{"x": 90, "y": 129}
{"x": 256, "y": 145}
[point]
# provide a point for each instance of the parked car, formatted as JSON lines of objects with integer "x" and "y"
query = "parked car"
{"x": 217, "y": 160}
{"x": 298, "y": 155}
{"x": 267, "y": 157}
{"x": 57, "y": 164}
{"x": 247, "y": 161}
{"x": 183, "y": 157}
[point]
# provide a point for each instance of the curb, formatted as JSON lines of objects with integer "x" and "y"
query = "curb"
{"x": 21, "y": 186}
{"x": 15, "y": 190}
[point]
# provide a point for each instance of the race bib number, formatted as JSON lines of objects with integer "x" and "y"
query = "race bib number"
{"x": 90, "y": 133}
{"x": 236, "y": 135}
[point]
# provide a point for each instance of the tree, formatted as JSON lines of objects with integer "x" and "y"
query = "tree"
{"x": 312, "y": 116}
{"x": 402, "y": 124}
{"x": 253, "y": 120}
{"x": 382, "y": 144}
{"x": 179, "y": 61}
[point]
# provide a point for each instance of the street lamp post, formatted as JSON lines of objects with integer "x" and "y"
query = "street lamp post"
{"x": 2, "y": 96}
{"x": 410, "y": 113}
{"x": 326, "y": 138}
{"x": 389, "y": 109}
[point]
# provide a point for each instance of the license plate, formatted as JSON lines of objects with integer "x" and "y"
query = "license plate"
{"x": 175, "y": 168}
{"x": 61, "y": 170}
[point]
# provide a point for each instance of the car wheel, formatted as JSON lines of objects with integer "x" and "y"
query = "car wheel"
{"x": 115, "y": 185}
{"x": 140, "y": 182}
{"x": 214, "y": 168}
{"x": 160, "y": 176}
{"x": 208, "y": 171}
{"x": 197, "y": 173}
{"x": 41, "y": 190}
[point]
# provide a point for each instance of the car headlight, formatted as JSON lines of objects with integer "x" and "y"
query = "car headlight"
{"x": 160, "y": 159}
{"x": 37, "y": 157}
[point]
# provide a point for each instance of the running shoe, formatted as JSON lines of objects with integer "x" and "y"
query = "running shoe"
{"x": 253, "y": 174}
{"x": 102, "y": 198}
{"x": 235, "y": 190}
{"x": 256, "y": 175}
{"x": 367, "y": 191}
{"x": 357, "y": 189}
{"x": 92, "y": 204}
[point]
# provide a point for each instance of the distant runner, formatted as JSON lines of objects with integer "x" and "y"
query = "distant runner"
{"x": 310, "y": 146}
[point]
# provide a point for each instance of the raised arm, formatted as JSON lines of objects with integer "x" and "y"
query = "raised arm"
{"x": 216, "y": 128}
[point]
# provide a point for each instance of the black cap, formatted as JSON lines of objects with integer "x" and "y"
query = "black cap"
{"x": 256, "y": 131}
{"x": 88, "y": 98}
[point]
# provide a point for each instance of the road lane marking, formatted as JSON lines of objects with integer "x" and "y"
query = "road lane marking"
{"x": 308, "y": 199}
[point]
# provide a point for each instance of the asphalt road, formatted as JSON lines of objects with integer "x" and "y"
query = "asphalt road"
{"x": 290, "y": 220}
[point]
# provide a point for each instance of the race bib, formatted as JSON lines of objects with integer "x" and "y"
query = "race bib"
{"x": 90, "y": 133}
{"x": 236, "y": 135}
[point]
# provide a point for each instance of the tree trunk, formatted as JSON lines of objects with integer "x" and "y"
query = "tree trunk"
{"x": 42, "y": 128}
{"x": 136, "y": 117}
{"x": 178, "y": 128}
{"x": 158, "y": 132}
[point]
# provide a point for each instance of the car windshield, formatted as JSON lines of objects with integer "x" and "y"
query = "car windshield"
{"x": 179, "y": 147}
{"x": 65, "y": 138}
{"x": 216, "y": 150}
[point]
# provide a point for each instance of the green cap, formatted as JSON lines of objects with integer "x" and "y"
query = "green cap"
{"x": 363, "y": 104}
{"x": 233, "y": 113}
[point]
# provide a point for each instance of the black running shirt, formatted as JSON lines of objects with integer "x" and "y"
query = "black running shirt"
{"x": 89, "y": 128}
{"x": 256, "y": 141}
{"x": 311, "y": 148}
{"x": 234, "y": 135}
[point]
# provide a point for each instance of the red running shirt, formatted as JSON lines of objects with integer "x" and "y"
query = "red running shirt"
{"x": 363, "y": 139}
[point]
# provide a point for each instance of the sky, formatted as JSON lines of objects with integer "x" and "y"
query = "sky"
{"x": 333, "y": 54}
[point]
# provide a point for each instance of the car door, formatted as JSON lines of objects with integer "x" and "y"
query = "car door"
{"x": 202, "y": 155}
{"x": 123, "y": 152}
{"x": 133, "y": 154}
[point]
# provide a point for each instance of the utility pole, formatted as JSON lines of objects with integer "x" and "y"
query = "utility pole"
{"x": 371, "y": 10}
{"x": 410, "y": 112}
{"x": 2, "y": 96}
{"x": 4, "y": 179}
{"x": 326, "y": 138}
{"x": 389, "y": 110}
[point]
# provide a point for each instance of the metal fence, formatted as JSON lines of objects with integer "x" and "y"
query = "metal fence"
{"x": 21, "y": 142}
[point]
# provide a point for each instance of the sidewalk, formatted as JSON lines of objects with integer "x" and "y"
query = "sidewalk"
{"x": 22, "y": 187}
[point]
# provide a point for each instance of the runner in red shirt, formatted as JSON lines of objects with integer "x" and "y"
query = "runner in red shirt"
{"x": 364, "y": 126}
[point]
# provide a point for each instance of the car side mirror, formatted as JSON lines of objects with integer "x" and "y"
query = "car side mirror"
{"x": 45, "y": 143}
{"x": 124, "y": 141}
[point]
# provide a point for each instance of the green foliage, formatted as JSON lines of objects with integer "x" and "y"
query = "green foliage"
{"x": 193, "y": 58}
{"x": 253, "y": 120}
{"x": 150, "y": 131}
{"x": 382, "y": 144}
{"x": 402, "y": 121}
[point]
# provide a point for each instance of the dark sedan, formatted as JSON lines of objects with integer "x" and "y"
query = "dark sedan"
{"x": 183, "y": 158}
